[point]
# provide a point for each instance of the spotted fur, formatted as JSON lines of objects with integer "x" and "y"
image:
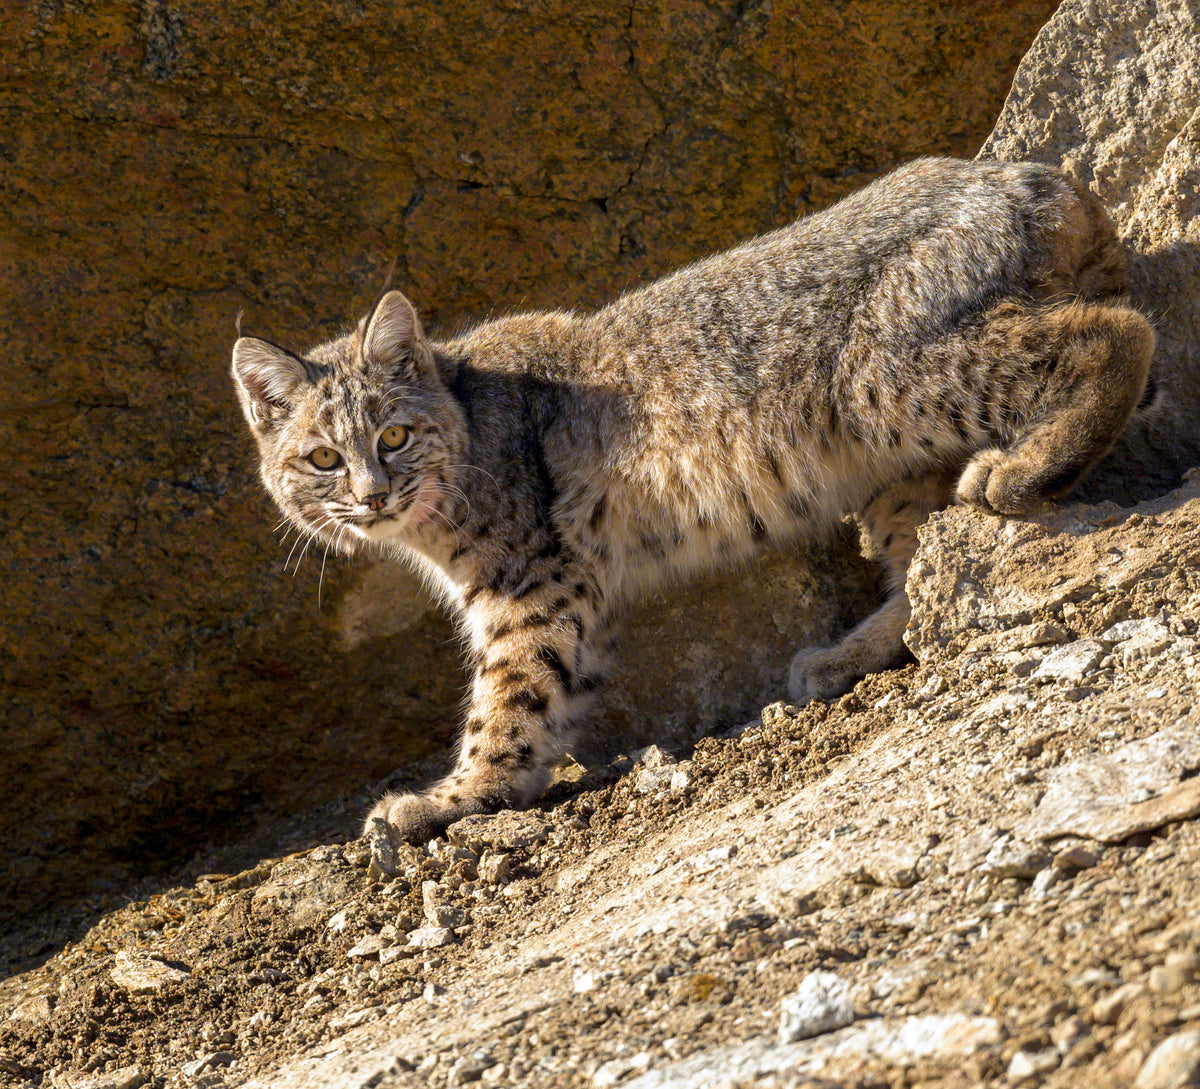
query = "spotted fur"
{"x": 953, "y": 330}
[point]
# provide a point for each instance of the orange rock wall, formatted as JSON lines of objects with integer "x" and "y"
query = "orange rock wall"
{"x": 166, "y": 164}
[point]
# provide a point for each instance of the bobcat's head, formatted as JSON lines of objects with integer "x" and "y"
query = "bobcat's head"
{"x": 360, "y": 438}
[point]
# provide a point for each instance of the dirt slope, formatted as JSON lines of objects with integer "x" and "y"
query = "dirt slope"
{"x": 991, "y": 853}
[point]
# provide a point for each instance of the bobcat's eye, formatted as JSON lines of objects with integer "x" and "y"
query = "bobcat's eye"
{"x": 325, "y": 458}
{"x": 394, "y": 438}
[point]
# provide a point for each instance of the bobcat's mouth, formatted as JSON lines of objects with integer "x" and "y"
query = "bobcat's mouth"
{"x": 421, "y": 510}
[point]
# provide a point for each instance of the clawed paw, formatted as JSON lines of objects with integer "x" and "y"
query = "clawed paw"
{"x": 411, "y": 818}
{"x": 976, "y": 483}
{"x": 996, "y": 482}
{"x": 819, "y": 674}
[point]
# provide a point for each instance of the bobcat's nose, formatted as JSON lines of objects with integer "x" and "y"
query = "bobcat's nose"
{"x": 376, "y": 501}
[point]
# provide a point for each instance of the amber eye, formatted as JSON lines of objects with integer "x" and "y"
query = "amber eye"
{"x": 325, "y": 458}
{"x": 393, "y": 438}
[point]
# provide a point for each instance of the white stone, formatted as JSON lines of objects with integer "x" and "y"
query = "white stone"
{"x": 367, "y": 946}
{"x": 1105, "y": 796}
{"x": 144, "y": 975}
{"x": 1071, "y": 663}
{"x": 127, "y": 1077}
{"x": 1174, "y": 1064}
{"x": 1014, "y": 858}
{"x": 1150, "y": 627}
{"x": 823, "y": 1002}
{"x": 897, "y": 1042}
{"x": 431, "y": 937}
{"x": 1032, "y": 1064}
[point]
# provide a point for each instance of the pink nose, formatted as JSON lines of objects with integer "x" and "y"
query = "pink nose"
{"x": 376, "y": 501}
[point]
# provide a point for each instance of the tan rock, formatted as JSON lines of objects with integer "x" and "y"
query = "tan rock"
{"x": 1124, "y": 117}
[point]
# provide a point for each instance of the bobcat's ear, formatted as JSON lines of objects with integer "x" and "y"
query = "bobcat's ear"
{"x": 393, "y": 338}
{"x": 268, "y": 380}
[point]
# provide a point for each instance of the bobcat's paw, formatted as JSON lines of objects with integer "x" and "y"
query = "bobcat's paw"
{"x": 972, "y": 486}
{"x": 411, "y": 818}
{"x": 820, "y": 673}
{"x": 995, "y": 482}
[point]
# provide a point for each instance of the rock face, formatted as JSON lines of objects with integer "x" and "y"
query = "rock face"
{"x": 1124, "y": 117}
{"x": 168, "y": 163}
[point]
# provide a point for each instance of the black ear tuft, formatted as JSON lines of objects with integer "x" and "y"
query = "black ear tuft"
{"x": 387, "y": 280}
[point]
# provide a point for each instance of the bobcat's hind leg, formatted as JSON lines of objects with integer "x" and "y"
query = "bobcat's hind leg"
{"x": 877, "y": 643}
{"x": 1096, "y": 362}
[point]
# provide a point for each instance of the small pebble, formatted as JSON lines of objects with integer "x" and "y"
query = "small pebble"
{"x": 1143, "y": 647}
{"x": 650, "y": 780}
{"x": 383, "y": 860}
{"x": 466, "y": 1071}
{"x": 34, "y": 1010}
{"x": 1066, "y": 1034}
{"x": 127, "y": 1077}
{"x": 327, "y": 852}
{"x": 1075, "y": 858}
{"x": 1147, "y": 627}
{"x": 1071, "y": 663}
{"x": 1031, "y": 1064}
{"x": 1044, "y": 882}
{"x": 616, "y": 1070}
{"x": 1009, "y": 858}
{"x": 654, "y": 757}
{"x": 431, "y": 937}
{"x": 494, "y": 869}
{"x": 1108, "y": 1009}
{"x": 1186, "y": 960}
{"x": 935, "y": 686}
{"x": 208, "y": 1062}
{"x": 508, "y": 830}
{"x": 444, "y": 915}
{"x": 367, "y": 946}
{"x": 144, "y": 975}
{"x": 1165, "y": 979}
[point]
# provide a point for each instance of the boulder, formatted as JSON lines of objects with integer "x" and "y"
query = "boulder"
{"x": 1110, "y": 93}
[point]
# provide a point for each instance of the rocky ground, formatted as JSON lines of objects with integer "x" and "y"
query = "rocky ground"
{"x": 979, "y": 870}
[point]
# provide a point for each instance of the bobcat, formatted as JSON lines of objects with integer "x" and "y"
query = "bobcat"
{"x": 954, "y": 331}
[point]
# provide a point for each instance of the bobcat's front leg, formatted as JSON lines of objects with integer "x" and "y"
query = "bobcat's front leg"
{"x": 535, "y": 667}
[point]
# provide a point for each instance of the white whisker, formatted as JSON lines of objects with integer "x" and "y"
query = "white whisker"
{"x": 324, "y": 557}
{"x": 301, "y": 532}
{"x": 312, "y": 533}
{"x": 450, "y": 525}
